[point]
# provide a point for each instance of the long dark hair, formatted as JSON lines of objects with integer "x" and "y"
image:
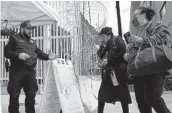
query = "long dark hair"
{"x": 150, "y": 13}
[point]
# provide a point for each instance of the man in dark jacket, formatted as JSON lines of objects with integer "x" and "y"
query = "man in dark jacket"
{"x": 23, "y": 53}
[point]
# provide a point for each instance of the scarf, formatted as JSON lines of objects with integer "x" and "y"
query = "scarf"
{"x": 154, "y": 33}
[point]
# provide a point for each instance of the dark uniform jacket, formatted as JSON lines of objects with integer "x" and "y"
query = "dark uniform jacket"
{"x": 20, "y": 44}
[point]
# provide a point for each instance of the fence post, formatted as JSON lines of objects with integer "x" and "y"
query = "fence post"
{"x": 45, "y": 48}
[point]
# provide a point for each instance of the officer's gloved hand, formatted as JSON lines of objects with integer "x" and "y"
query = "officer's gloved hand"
{"x": 23, "y": 56}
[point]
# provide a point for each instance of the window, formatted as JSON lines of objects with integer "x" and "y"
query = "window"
{"x": 163, "y": 10}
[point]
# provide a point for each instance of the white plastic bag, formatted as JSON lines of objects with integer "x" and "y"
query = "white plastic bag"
{"x": 89, "y": 101}
{"x": 114, "y": 79}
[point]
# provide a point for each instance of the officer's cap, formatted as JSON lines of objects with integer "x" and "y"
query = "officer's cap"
{"x": 27, "y": 25}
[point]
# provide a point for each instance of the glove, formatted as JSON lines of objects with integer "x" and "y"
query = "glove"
{"x": 23, "y": 56}
{"x": 103, "y": 63}
{"x": 125, "y": 56}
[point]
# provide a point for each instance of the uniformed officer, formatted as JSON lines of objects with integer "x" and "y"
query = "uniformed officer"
{"x": 23, "y": 53}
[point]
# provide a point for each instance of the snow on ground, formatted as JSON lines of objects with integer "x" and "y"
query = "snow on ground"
{"x": 89, "y": 90}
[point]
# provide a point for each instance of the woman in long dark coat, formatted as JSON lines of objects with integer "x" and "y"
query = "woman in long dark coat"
{"x": 111, "y": 54}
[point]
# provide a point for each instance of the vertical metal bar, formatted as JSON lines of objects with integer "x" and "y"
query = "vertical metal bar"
{"x": 1, "y": 58}
{"x": 45, "y": 35}
{"x": 60, "y": 25}
{"x": 54, "y": 30}
{"x": 41, "y": 31}
{"x": 64, "y": 44}
{"x": 61, "y": 47}
{"x": 41, "y": 61}
{"x": 67, "y": 45}
{"x": 38, "y": 61}
{"x": 57, "y": 44}
{"x": 53, "y": 44}
{"x": 119, "y": 19}
{"x": 42, "y": 65}
{"x": 82, "y": 43}
{"x": 3, "y": 68}
{"x": 55, "y": 36}
{"x": 59, "y": 51}
{"x": 34, "y": 33}
{"x": 37, "y": 66}
{"x": 37, "y": 32}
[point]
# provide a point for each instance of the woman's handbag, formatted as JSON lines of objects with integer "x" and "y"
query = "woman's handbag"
{"x": 151, "y": 60}
{"x": 154, "y": 59}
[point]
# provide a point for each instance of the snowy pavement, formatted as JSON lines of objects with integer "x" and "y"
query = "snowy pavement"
{"x": 88, "y": 88}
{"x": 109, "y": 108}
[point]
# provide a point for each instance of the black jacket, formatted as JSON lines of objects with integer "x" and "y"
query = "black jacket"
{"x": 115, "y": 49}
{"x": 20, "y": 44}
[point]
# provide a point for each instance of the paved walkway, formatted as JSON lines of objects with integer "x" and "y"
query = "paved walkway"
{"x": 109, "y": 108}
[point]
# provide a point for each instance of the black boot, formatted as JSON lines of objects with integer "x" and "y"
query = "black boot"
{"x": 101, "y": 106}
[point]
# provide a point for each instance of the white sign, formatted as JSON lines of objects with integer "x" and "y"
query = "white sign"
{"x": 0, "y": 103}
{"x": 61, "y": 89}
{"x": 89, "y": 88}
{"x": 50, "y": 102}
{"x": 67, "y": 86}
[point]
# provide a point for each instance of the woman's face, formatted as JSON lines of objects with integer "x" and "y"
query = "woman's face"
{"x": 138, "y": 18}
{"x": 104, "y": 38}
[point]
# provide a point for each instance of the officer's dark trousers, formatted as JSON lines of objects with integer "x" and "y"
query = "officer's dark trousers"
{"x": 153, "y": 89}
{"x": 22, "y": 79}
